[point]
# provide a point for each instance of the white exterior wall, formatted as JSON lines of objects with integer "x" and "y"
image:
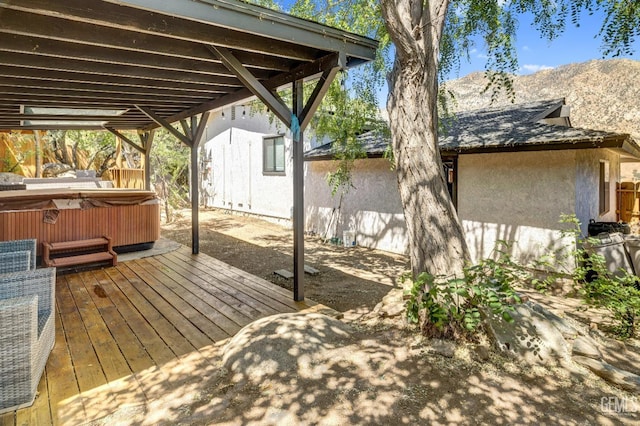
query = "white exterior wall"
{"x": 372, "y": 207}
{"x": 234, "y": 179}
{"x": 516, "y": 197}
{"x": 520, "y": 196}
{"x": 587, "y": 185}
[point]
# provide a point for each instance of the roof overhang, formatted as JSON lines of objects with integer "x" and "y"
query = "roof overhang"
{"x": 169, "y": 57}
{"x": 621, "y": 143}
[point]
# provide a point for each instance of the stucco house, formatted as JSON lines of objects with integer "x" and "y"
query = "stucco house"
{"x": 237, "y": 141}
{"x": 512, "y": 172}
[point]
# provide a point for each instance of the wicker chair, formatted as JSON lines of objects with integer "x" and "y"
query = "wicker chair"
{"x": 21, "y": 245}
{"x": 15, "y": 261}
{"x": 27, "y": 334}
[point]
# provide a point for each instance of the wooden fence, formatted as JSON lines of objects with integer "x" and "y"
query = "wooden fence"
{"x": 127, "y": 178}
{"x": 628, "y": 201}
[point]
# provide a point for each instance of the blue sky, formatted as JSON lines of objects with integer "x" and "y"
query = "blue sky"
{"x": 576, "y": 44}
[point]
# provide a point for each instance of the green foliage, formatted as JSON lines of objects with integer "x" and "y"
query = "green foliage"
{"x": 91, "y": 150}
{"x": 21, "y": 150}
{"x": 450, "y": 307}
{"x": 170, "y": 160}
{"x": 621, "y": 24}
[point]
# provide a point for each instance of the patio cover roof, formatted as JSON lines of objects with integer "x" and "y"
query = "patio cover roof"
{"x": 143, "y": 64}
{"x": 87, "y": 64}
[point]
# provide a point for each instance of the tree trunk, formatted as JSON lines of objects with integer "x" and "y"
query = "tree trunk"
{"x": 436, "y": 239}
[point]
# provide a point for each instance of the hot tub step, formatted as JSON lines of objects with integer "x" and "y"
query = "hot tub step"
{"x": 69, "y": 253}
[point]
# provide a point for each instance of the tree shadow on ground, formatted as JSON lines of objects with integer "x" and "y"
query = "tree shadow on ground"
{"x": 370, "y": 377}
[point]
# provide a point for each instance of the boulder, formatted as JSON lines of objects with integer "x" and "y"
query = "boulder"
{"x": 621, "y": 378}
{"x": 442, "y": 347}
{"x": 283, "y": 344}
{"x": 587, "y": 347}
{"x": 532, "y": 337}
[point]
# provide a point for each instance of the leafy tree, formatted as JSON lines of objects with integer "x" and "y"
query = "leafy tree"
{"x": 170, "y": 160}
{"x": 429, "y": 37}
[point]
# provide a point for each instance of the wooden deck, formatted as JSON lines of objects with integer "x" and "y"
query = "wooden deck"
{"x": 116, "y": 325}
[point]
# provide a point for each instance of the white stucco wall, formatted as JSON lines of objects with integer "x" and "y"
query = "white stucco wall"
{"x": 235, "y": 178}
{"x": 515, "y": 197}
{"x": 519, "y": 197}
{"x": 588, "y": 181}
{"x": 372, "y": 207}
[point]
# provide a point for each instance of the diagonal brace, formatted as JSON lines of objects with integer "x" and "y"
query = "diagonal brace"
{"x": 163, "y": 123}
{"x": 320, "y": 90}
{"x": 253, "y": 84}
{"x": 139, "y": 148}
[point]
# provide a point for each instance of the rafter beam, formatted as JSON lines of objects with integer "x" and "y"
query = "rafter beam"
{"x": 134, "y": 29}
{"x": 187, "y": 58}
{"x": 34, "y": 77}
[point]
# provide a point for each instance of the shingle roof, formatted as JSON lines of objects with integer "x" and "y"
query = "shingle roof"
{"x": 511, "y": 128}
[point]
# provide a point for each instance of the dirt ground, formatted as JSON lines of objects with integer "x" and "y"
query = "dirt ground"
{"x": 351, "y": 280}
{"x": 387, "y": 373}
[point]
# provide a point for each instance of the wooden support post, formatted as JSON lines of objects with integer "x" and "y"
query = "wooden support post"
{"x": 147, "y": 142}
{"x": 38, "y": 142}
{"x": 298, "y": 194}
{"x": 197, "y": 131}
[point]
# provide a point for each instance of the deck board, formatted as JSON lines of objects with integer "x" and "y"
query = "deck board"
{"x": 237, "y": 306}
{"x": 124, "y": 331}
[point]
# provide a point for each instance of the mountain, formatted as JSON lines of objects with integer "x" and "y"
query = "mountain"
{"x": 602, "y": 94}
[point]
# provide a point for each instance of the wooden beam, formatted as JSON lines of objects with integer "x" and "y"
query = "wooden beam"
{"x": 125, "y": 138}
{"x": 301, "y": 72}
{"x": 182, "y": 56}
{"x": 104, "y": 97}
{"x": 133, "y": 29}
{"x": 10, "y": 85}
{"x": 202, "y": 126}
{"x": 197, "y": 131}
{"x": 163, "y": 123}
{"x": 217, "y": 74}
{"x": 273, "y": 103}
{"x": 146, "y": 139}
{"x": 298, "y": 197}
{"x": 320, "y": 90}
{"x": 275, "y": 26}
{"x": 52, "y": 78}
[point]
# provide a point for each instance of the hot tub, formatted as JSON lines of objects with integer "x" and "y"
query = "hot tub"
{"x": 130, "y": 217}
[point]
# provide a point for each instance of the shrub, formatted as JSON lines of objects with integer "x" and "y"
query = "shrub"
{"x": 452, "y": 307}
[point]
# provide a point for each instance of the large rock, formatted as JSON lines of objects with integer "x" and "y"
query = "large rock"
{"x": 608, "y": 372}
{"x": 284, "y": 344}
{"x": 567, "y": 330}
{"x": 587, "y": 347}
{"x": 392, "y": 304}
{"x": 532, "y": 337}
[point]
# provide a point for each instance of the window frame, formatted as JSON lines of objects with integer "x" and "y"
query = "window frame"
{"x": 272, "y": 169}
{"x": 604, "y": 187}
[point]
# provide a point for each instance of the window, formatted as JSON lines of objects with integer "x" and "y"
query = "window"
{"x": 273, "y": 155}
{"x": 604, "y": 187}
